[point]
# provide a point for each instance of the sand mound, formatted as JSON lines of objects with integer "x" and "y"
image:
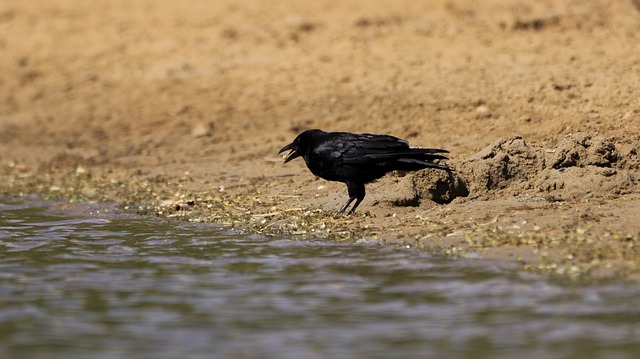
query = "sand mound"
{"x": 580, "y": 166}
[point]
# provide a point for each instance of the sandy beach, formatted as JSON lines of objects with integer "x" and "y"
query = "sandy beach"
{"x": 178, "y": 109}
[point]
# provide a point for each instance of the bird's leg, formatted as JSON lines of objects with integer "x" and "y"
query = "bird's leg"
{"x": 346, "y": 205}
{"x": 356, "y": 192}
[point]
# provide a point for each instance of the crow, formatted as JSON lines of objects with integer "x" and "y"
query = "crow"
{"x": 357, "y": 159}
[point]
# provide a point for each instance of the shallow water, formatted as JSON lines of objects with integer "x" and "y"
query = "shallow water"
{"x": 89, "y": 282}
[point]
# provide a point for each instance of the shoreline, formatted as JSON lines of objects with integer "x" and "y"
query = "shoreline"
{"x": 529, "y": 232}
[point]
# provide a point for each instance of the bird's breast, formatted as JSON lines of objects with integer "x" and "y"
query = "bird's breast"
{"x": 323, "y": 168}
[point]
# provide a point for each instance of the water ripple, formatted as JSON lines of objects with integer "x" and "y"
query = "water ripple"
{"x": 93, "y": 282}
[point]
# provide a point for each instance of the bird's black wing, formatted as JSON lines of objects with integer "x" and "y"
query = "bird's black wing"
{"x": 352, "y": 148}
{"x": 368, "y": 148}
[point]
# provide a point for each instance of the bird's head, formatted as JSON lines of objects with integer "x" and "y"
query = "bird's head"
{"x": 299, "y": 146}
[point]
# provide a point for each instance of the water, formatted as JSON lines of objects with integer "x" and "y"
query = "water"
{"x": 89, "y": 282}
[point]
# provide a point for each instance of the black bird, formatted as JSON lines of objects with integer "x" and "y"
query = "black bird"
{"x": 356, "y": 159}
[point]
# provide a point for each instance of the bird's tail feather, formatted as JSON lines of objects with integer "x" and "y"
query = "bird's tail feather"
{"x": 410, "y": 159}
{"x": 425, "y": 154}
{"x": 412, "y": 164}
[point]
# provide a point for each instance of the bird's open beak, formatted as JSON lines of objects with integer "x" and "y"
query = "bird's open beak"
{"x": 293, "y": 154}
